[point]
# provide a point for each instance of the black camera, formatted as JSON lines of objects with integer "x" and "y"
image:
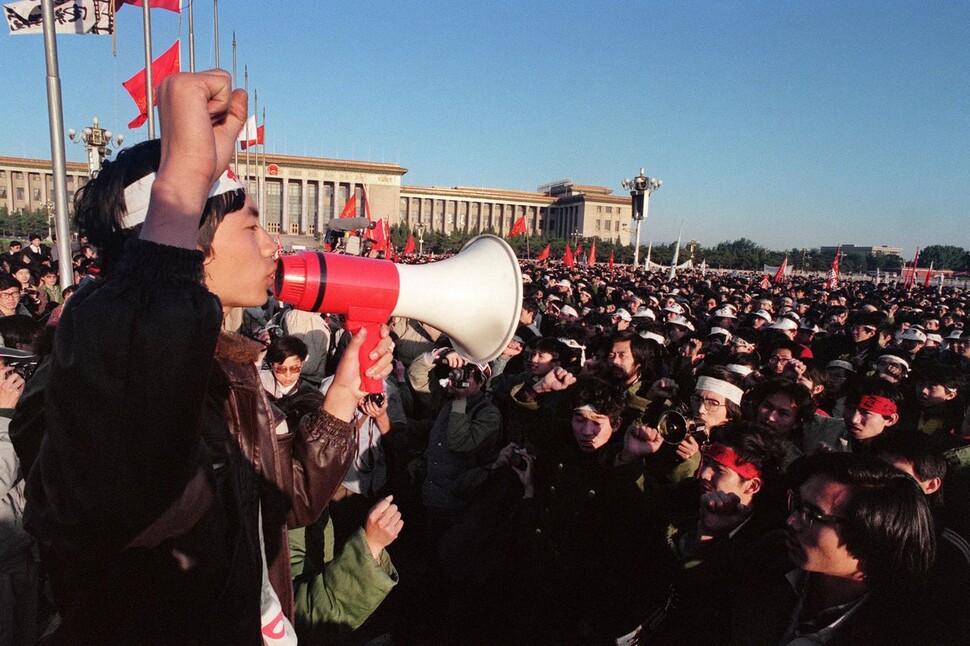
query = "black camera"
{"x": 461, "y": 377}
{"x": 23, "y": 367}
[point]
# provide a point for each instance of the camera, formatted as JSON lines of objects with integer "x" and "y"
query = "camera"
{"x": 461, "y": 377}
{"x": 23, "y": 367}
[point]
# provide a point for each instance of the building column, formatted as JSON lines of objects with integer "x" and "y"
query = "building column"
{"x": 319, "y": 224}
{"x": 304, "y": 207}
{"x": 284, "y": 205}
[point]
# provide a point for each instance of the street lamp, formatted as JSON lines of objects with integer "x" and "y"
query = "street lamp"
{"x": 97, "y": 142}
{"x": 640, "y": 188}
{"x": 421, "y": 227}
{"x": 693, "y": 247}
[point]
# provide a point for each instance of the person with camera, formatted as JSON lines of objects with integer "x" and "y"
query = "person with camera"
{"x": 284, "y": 385}
{"x": 163, "y": 488}
{"x": 18, "y": 563}
{"x": 464, "y": 433}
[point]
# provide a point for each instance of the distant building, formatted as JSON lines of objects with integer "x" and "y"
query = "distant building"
{"x": 851, "y": 250}
{"x": 298, "y": 196}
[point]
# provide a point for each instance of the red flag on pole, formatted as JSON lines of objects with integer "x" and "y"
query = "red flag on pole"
{"x": 350, "y": 208}
{"x": 567, "y": 258}
{"x": 610, "y": 263}
{"x": 579, "y": 249}
{"x": 409, "y": 245}
{"x": 544, "y": 255}
{"x": 164, "y": 65}
{"x": 592, "y": 254}
{"x": 171, "y": 5}
{"x": 518, "y": 228}
{"x": 833, "y": 279}
{"x": 780, "y": 274}
{"x": 257, "y": 140}
{"x": 929, "y": 275}
{"x": 911, "y": 274}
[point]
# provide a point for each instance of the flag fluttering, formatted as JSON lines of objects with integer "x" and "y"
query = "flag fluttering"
{"x": 409, "y": 245}
{"x": 544, "y": 254}
{"x": 929, "y": 276}
{"x": 70, "y": 17}
{"x": 171, "y": 5}
{"x": 518, "y": 227}
{"x": 567, "y": 257}
{"x": 780, "y": 274}
{"x": 833, "y": 279}
{"x": 592, "y": 254}
{"x": 165, "y": 65}
{"x": 350, "y": 208}
{"x": 610, "y": 263}
{"x": 251, "y": 134}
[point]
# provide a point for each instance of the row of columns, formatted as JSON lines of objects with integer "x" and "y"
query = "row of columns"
{"x": 444, "y": 222}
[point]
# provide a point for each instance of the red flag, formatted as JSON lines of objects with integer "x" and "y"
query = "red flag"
{"x": 518, "y": 228}
{"x": 911, "y": 274}
{"x": 610, "y": 263}
{"x": 259, "y": 139}
{"x": 409, "y": 245}
{"x": 929, "y": 275}
{"x": 167, "y": 63}
{"x": 833, "y": 279}
{"x": 545, "y": 253}
{"x": 350, "y": 208}
{"x": 567, "y": 258}
{"x": 171, "y": 5}
{"x": 579, "y": 249}
{"x": 780, "y": 274}
{"x": 592, "y": 254}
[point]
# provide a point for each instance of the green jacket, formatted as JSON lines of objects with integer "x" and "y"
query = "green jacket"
{"x": 334, "y": 594}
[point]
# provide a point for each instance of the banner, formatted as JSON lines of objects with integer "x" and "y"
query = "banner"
{"x": 70, "y": 17}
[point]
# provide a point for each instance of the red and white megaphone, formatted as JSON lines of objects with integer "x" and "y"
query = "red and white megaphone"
{"x": 474, "y": 297}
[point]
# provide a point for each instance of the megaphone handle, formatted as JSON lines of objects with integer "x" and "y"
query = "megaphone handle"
{"x": 368, "y": 384}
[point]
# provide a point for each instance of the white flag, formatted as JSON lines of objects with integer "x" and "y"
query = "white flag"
{"x": 248, "y": 133}
{"x": 70, "y": 17}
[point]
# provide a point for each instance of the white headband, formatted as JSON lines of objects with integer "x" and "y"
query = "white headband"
{"x": 586, "y": 408}
{"x": 653, "y": 336}
{"x": 731, "y": 392}
{"x": 739, "y": 369}
{"x": 139, "y": 193}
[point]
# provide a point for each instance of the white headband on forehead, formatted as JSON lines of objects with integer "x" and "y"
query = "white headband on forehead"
{"x": 731, "y": 392}
{"x": 139, "y": 193}
{"x": 739, "y": 369}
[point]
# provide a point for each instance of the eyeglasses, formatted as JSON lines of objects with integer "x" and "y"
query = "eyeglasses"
{"x": 10, "y": 295}
{"x": 708, "y": 403}
{"x": 807, "y": 514}
{"x": 282, "y": 370}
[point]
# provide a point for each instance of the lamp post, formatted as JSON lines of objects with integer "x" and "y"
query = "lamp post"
{"x": 97, "y": 142}
{"x": 693, "y": 247}
{"x": 640, "y": 188}
{"x": 574, "y": 238}
{"x": 421, "y": 227}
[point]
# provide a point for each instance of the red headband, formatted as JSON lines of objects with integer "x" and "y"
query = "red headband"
{"x": 725, "y": 456}
{"x": 876, "y": 404}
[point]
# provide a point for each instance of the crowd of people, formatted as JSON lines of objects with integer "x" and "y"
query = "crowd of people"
{"x": 700, "y": 458}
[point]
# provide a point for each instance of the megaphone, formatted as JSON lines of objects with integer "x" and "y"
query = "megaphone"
{"x": 474, "y": 297}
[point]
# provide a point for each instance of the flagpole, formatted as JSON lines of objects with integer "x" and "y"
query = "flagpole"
{"x": 248, "y": 134}
{"x": 256, "y": 152}
{"x": 235, "y": 149}
{"x": 149, "y": 90}
{"x": 55, "y": 115}
{"x": 261, "y": 184}
{"x": 191, "y": 35}
{"x": 215, "y": 28}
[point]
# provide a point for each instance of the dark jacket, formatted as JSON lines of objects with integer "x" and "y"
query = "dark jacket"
{"x": 144, "y": 505}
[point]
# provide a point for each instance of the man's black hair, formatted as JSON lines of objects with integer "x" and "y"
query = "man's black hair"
{"x": 887, "y": 523}
{"x": 281, "y": 349}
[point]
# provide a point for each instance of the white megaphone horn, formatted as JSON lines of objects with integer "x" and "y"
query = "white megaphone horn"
{"x": 475, "y": 297}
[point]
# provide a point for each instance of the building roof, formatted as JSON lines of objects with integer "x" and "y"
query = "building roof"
{"x": 479, "y": 193}
{"x": 335, "y": 164}
{"x": 37, "y": 165}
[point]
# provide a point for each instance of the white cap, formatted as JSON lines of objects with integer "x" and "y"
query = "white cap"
{"x": 784, "y": 324}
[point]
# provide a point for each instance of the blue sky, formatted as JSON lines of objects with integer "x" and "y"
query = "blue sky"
{"x": 790, "y": 123}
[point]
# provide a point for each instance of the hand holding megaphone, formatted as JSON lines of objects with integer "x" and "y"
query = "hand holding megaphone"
{"x": 474, "y": 297}
{"x": 347, "y": 389}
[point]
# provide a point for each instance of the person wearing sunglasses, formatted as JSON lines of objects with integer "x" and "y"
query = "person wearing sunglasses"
{"x": 281, "y": 379}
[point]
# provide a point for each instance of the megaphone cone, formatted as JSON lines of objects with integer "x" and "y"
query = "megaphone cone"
{"x": 475, "y": 297}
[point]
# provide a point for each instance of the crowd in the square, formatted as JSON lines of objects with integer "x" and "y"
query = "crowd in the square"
{"x": 698, "y": 458}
